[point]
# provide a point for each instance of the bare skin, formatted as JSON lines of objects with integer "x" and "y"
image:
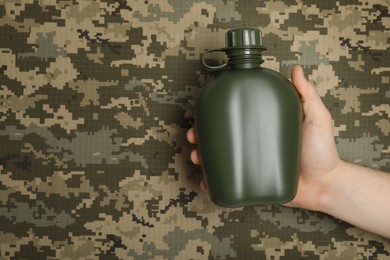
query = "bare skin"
{"x": 353, "y": 193}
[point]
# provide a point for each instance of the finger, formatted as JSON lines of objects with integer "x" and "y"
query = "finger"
{"x": 313, "y": 107}
{"x": 203, "y": 186}
{"x": 194, "y": 156}
{"x": 300, "y": 82}
{"x": 191, "y": 136}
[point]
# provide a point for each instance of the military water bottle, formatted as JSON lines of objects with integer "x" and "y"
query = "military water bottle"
{"x": 248, "y": 125}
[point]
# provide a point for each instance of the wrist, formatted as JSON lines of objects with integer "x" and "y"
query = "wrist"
{"x": 316, "y": 190}
{"x": 332, "y": 189}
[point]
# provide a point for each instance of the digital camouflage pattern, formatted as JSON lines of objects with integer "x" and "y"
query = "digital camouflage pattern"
{"x": 95, "y": 101}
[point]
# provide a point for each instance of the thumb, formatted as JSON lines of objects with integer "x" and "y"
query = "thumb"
{"x": 313, "y": 107}
{"x": 300, "y": 82}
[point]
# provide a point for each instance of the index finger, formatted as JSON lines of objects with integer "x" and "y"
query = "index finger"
{"x": 191, "y": 135}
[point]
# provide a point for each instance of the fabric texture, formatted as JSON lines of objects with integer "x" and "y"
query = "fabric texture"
{"x": 95, "y": 101}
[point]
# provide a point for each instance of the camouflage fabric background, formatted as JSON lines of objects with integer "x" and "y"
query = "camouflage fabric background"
{"x": 95, "y": 101}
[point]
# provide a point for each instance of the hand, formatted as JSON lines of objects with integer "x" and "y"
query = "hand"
{"x": 319, "y": 153}
{"x": 347, "y": 191}
{"x": 194, "y": 156}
